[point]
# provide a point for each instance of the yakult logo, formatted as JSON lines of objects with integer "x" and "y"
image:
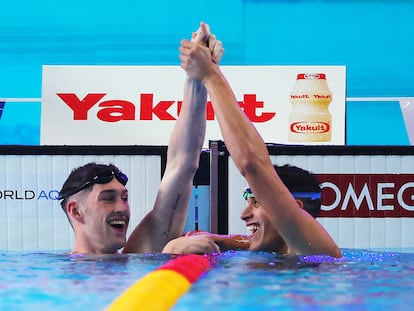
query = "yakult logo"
{"x": 310, "y": 127}
{"x": 367, "y": 195}
{"x": 116, "y": 110}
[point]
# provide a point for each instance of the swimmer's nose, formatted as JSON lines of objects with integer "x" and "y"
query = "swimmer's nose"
{"x": 246, "y": 214}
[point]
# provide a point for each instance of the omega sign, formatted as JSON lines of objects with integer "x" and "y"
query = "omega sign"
{"x": 367, "y": 195}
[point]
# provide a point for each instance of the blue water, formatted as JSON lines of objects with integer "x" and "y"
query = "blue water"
{"x": 44, "y": 281}
{"x": 362, "y": 280}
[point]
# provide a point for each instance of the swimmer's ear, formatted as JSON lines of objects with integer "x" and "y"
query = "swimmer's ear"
{"x": 73, "y": 210}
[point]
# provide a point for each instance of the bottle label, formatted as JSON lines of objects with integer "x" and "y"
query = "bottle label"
{"x": 310, "y": 127}
{"x": 310, "y": 120}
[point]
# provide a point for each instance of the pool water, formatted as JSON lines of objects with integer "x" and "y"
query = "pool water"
{"x": 242, "y": 280}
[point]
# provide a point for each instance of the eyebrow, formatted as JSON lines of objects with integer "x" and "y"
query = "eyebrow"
{"x": 112, "y": 191}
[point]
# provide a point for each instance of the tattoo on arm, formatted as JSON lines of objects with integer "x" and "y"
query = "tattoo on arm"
{"x": 167, "y": 232}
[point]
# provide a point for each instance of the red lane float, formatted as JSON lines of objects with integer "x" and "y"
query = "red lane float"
{"x": 161, "y": 288}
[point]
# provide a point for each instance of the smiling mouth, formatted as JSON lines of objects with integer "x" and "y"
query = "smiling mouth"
{"x": 253, "y": 228}
{"x": 118, "y": 223}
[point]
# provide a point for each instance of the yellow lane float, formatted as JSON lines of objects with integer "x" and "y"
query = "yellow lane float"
{"x": 160, "y": 289}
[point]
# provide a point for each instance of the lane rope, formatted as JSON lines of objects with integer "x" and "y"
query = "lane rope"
{"x": 161, "y": 288}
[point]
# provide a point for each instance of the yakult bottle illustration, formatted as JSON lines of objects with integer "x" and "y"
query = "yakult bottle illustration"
{"x": 310, "y": 119}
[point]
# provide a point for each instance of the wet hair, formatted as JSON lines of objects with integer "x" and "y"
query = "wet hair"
{"x": 82, "y": 178}
{"x": 299, "y": 180}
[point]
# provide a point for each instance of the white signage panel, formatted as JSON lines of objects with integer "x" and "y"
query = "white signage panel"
{"x": 138, "y": 105}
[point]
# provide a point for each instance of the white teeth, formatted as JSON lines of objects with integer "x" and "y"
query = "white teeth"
{"x": 117, "y": 222}
{"x": 252, "y": 228}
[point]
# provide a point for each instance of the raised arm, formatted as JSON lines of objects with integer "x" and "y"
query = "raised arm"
{"x": 301, "y": 233}
{"x": 167, "y": 219}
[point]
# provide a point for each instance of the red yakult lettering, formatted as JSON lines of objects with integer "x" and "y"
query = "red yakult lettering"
{"x": 80, "y": 107}
{"x": 250, "y": 105}
{"x": 147, "y": 108}
{"x": 116, "y": 110}
{"x": 119, "y": 110}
